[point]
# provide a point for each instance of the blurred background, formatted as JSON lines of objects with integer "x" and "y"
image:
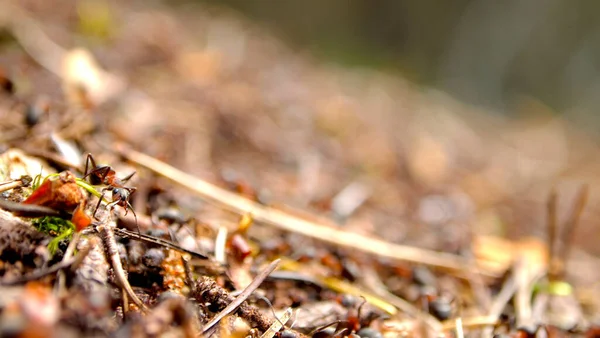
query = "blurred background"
{"x": 491, "y": 54}
{"x": 443, "y": 120}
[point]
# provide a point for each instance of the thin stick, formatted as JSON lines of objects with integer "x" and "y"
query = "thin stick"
{"x": 459, "y": 328}
{"x": 525, "y": 277}
{"x": 125, "y": 301}
{"x": 108, "y": 238}
{"x": 508, "y": 290}
{"x": 158, "y": 241}
{"x": 469, "y": 323}
{"x": 27, "y": 210}
{"x": 278, "y": 324}
{"x": 23, "y": 181}
{"x": 6, "y": 186}
{"x": 242, "y": 297}
{"x": 571, "y": 225}
{"x": 287, "y": 222}
{"x": 220, "y": 243}
{"x": 552, "y": 230}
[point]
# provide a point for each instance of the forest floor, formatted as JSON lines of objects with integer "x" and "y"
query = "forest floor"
{"x": 341, "y": 201}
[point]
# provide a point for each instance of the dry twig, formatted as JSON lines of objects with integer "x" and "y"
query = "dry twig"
{"x": 571, "y": 226}
{"x": 210, "y": 290}
{"x": 28, "y": 210}
{"x": 278, "y": 324}
{"x": 285, "y": 221}
{"x": 158, "y": 241}
{"x": 108, "y": 239}
{"x": 508, "y": 290}
{"x": 552, "y": 230}
{"x": 525, "y": 277}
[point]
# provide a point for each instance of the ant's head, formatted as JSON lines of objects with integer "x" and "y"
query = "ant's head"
{"x": 121, "y": 195}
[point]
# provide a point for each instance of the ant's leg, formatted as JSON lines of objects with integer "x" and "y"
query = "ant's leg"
{"x": 364, "y": 301}
{"x": 114, "y": 201}
{"x": 128, "y": 177}
{"x": 134, "y": 216}
{"x": 99, "y": 202}
{"x": 89, "y": 160}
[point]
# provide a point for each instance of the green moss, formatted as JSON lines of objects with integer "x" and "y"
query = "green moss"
{"x": 57, "y": 227}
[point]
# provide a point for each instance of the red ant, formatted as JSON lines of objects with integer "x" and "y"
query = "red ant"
{"x": 103, "y": 174}
{"x": 353, "y": 324}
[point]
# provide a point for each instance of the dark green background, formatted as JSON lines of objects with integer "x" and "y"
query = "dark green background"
{"x": 485, "y": 52}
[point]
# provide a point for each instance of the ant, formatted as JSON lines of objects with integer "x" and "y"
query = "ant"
{"x": 103, "y": 174}
{"x": 353, "y": 324}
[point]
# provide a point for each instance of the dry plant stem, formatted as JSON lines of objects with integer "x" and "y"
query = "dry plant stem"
{"x": 522, "y": 299}
{"x": 552, "y": 230}
{"x": 10, "y": 185}
{"x": 571, "y": 225}
{"x": 459, "y": 328}
{"x": 125, "y": 301}
{"x": 207, "y": 290}
{"x": 287, "y": 222}
{"x": 220, "y": 242}
{"x": 27, "y": 210}
{"x": 233, "y": 303}
{"x": 508, "y": 290}
{"x": 110, "y": 246}
{"x": 525, "y": 278}
{"x": 278, "y": 324}
{"x": 157, "y": 241}
{"x": 470, "y": 323}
